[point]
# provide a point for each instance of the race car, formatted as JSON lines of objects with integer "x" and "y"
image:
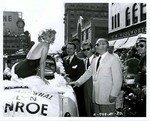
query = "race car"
{"x": 30, "y": 96}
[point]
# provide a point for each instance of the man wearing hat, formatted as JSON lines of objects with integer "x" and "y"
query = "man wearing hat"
{"x": 141, "y": 48}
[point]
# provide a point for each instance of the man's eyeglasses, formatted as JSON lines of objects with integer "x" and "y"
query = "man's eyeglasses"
{"x": 86, "y": 49}
{"x": 97, "y": 44}
{"x": 140, "y": 45}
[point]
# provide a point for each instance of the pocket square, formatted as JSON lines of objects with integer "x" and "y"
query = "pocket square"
{"x": 74, "y": 67}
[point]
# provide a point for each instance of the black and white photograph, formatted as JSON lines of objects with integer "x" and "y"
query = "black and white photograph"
{"x": 78, "y": 60}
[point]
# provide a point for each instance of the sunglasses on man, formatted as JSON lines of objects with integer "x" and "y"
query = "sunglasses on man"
{"x": 98, "y": 44}
{"x": 140, "y": 45}
{"x": 86, "y": 49}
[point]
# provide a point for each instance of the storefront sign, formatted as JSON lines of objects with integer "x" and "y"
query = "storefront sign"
{"x": 10, "y": 20}
{"x": 128, "y": 32}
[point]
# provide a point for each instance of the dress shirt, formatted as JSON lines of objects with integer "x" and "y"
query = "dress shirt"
{"x": 70, "y": 58}
{"x": 101, "y": 59}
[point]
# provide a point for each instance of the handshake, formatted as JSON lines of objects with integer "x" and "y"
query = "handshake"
{"x": 75, "y": 84}
{"x": 70, "y": 82}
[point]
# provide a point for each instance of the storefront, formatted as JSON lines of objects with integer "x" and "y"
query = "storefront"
{"x": 124, "y": 43}
{"x": 127, "y": 21}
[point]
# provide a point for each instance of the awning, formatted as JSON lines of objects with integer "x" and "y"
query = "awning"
{"x": 120, "y": 42}
{"x": 130, "y": 42}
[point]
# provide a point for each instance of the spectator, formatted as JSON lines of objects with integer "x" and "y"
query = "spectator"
{"x": 130, "y": 64}
{"x": 7, "y": 71}
{"x": 78, "y": 52}
{"x": 74, "y": 68}
{"x": 141, "y": 47}
{"x": 64, "y": 52}
{"x": 88, "y": 52}
{"x": 111, "y": 51}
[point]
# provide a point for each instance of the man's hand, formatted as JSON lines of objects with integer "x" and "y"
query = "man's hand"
{"x": 67, "y": 79}
{"x": 46, "y": 82}
{"x": 75, "y": 84}
{"x": 112, "y": 99}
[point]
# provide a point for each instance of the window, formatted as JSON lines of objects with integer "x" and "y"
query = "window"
{"x": 135, "y": 13}
{"x": 115, "y": 21}
{"x": 118, "y": 19}
{"x": 143, "y": 11}
{"x": 82, "y": 36}
{"x": 72, "y": 27}
{"x": 112, "y": 24}
{"x": 87, "y": 35}
{"x": 127, "y": 16}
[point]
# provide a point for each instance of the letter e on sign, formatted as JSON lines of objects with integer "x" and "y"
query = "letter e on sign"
{"x": 44, "y": 108}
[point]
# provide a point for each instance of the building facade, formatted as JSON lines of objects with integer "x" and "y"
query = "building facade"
{"x": 13, "y": 23}
{"x": 92, "y": 30}
{"x": 126, "y": 20}
{"x": 75, "y": 11}
{"x": 14, "y": 37}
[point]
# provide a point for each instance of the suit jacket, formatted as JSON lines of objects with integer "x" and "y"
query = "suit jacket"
{"x": 75, "y": 69}
{"x": 107, "y": 80}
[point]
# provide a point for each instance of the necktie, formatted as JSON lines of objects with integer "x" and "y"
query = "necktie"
{"x": 88, "y": 63}
{"x": 98, "y": 63}
{"x": 68, "y": 61}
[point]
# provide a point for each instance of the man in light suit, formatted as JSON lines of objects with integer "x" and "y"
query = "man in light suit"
{"x": 107, "y": 80}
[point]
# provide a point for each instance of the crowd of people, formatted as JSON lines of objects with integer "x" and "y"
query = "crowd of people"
{"x": 96, "y": 73}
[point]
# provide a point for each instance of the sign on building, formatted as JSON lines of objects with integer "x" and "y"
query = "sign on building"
{"x": 11, "y": 23}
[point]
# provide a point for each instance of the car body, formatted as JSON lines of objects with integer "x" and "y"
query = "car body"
{"x": 30, "y": 96}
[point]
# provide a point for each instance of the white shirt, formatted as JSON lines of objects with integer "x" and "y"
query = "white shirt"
{"x": 71, "y": 57}
{"x": 91, "y": 58}
{"x": 102, "y": 57}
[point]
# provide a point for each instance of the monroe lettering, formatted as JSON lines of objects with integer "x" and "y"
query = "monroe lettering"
{"x": 33, "y": 112}
{"x": 20, "y": 106}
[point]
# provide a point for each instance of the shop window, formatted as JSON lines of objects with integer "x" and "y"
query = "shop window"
{"x": 72, "y": 28}
{"x": 112, "y": 24}
{"x": 143, "y": 11}
{"x": 135, "y": 13}
{"x": 118, "y": 21}
{"x": 127, "y": 16}
{"x": 87, "y": 34}
{"x": 82, "y": 36}
{"x": 115, "y": 21}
